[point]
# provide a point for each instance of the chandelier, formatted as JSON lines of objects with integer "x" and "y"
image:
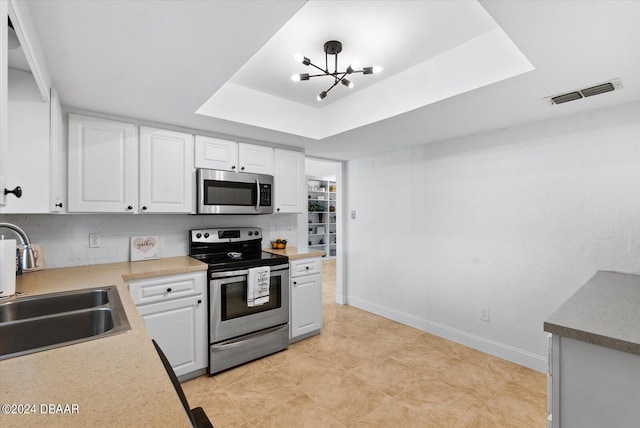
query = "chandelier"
{"x": 332, "y": 47}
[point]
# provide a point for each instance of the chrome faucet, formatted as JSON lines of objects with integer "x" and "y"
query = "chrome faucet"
{"x": 29, "y": 258}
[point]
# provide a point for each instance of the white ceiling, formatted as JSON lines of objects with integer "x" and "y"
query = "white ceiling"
{"x": 161, "y": 60}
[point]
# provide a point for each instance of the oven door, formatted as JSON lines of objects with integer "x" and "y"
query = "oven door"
{"x": 229, "y": 314}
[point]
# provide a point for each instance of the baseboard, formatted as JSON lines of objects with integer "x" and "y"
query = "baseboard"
{"x": 500, "y": 350}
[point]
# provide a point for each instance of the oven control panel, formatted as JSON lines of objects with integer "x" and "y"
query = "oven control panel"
{"x": 229, "y": 234}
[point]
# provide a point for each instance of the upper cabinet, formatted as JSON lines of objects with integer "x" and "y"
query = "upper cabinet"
{"x": 29, "y": 118}
{"x": 290, "y": 185}
{"x": 167, "y": 175}
{"x": 256, "y": 159}
{"x": 103, "y": 165}
{"x": 109, "y": 171}
{"x": 214, "y": 153}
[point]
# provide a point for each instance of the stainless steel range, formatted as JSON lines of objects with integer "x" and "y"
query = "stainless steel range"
{"x": 242, "y": 328}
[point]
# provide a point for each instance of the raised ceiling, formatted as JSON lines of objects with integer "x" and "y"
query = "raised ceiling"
{"x": 160, "y": 61}
{"x": 430, "y": 51}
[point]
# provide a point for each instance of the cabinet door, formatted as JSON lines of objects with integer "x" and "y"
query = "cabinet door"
{"x": 256, "y": 159}
{"x": 28, "y": 149}
{"x": 56, "y": 174}
{"x": 306, "y": 304}
{"x": 290, "y": 185}
{"x": 214, "y": 153}
{"x": 103, "y": 165}
{"x": 4, "y": 67}
{"x": 179, "y": 327}
{"x": 167, "y": 174}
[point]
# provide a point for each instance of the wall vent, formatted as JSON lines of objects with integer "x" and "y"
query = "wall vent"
{"x": 586, "y": 92}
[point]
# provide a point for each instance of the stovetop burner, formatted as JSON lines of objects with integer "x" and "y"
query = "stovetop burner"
{"x": 231, "y": 248}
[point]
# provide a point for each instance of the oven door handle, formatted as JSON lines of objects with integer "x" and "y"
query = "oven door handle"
{"x": 244, "y": 272}
{"x": 257, "y": 195}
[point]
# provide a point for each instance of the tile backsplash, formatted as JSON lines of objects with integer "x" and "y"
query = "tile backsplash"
{"x": 65, "y": 237}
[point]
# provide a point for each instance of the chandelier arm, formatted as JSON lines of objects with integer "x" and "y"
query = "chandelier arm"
{"x": 319, "y": 68}
{"x": 336, "y": 82}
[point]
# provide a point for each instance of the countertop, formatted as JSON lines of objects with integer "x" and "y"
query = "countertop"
{"x": 295, "y": 253}
{"x": 114, "y": 381}
{"x": 605, "y": 311}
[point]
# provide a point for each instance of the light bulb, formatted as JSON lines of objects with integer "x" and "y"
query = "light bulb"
{"x": 295, "y": 77}
{"x": 355, "y": 65}
{"x": 298, "y": 57}
{"x": 377, "y": 69}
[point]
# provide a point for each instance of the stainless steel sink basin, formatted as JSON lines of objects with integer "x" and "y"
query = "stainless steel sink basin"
{"x": 49, "y": 304}
{"x": 38, "y": 323}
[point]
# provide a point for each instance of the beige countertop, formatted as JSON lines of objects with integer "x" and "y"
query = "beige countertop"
{"x": 295, "y": 253}
{"x": 114, "y": 381}
{"x": 605, "y": 311}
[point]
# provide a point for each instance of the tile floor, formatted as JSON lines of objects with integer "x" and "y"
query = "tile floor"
{"x": 367, "y": 371}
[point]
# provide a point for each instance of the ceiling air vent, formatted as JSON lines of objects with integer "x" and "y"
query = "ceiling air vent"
{"x": 587, "y": 92}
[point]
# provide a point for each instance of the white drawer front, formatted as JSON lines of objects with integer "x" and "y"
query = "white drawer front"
{"x": 167, "y": 287}
{"x": 302, "y": 267}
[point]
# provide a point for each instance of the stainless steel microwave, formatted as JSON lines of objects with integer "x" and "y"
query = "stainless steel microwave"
{"x": 225, "y": 192}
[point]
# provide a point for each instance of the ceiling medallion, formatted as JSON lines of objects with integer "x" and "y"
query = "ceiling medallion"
{"x": 332, "y": 47}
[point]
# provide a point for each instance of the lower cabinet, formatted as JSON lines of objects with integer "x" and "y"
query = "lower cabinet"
{"x": 174, "y": 311}
{"x": 306, "y": 298}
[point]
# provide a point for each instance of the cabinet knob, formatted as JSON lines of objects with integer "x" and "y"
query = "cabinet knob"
{"x": 233, "y": 167}
{"x": 17, "y": 192}
{"x": 307, "y": 267}
{"x": 295, "y": 283}
{"x": 277, "y": 209}
{"x": 169, "y": 290}
{"x": 59, "y": 204}
{"x": 241, "y": 168}
{"x": 199, "y": 301}
{"x": 129, "y": 208}
{"x": 144, "y": 208}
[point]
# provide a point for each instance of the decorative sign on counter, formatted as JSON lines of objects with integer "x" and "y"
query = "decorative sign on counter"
{"x": 144, "y": 248}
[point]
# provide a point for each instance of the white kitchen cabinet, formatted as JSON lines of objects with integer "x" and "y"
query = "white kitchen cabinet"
{"x": 166, "y": 171}
{"x": 28, "y": 150}
{"x": 174, "y": 311}
{"x": 256, "y": 159}
{"x": 103, "y": 165}
{"x": 290, "y": 192}
{"x": 214, "y": 153}
{"x": 4, "y": 67}
{"x": 225, "y": 155}
{"x": 306, "y": 298}
{"x": 56, "y": 152}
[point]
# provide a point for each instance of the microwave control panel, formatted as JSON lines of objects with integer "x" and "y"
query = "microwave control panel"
{"x": 265, "y": 195}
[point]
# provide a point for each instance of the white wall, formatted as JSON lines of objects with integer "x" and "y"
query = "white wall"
{"x": 65, "y": 238}
{"x": 515, "y": 220}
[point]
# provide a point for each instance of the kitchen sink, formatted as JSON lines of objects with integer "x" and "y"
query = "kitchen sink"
{"x": 49, "y": 304}
{"x": 47, "y": 321}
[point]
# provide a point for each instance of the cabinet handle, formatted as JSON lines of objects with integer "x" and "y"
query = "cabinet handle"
{"x": 17, "y": 192}
{"x": 129, "y": 208}
{"x": 241, "y": 168}
{"x": 278, "y": 209}
{"x": 169, "y": 290}
{"x": 59, "y": 205}
{"x": 144, "y": 208}
{"x": 233, "y": 167}
{"x": 307, "y": 267}
{"x": 295, "y": 283}
{"x": 199, "y": 301}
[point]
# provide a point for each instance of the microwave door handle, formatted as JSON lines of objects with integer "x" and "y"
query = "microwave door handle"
{"x": 257, "y": 195}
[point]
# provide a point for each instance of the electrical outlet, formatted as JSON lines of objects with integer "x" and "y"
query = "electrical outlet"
{"x": 94, "y": 240}
{"x": 484, "y": 313}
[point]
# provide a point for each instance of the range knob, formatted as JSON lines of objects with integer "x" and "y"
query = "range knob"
{"x": 198, "y": 235}
{"x": 206, "y": 235}
{"x": 250, "y": 233}
{"x": 257, "y": 232}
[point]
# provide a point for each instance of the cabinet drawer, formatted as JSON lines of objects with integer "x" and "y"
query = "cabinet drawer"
{"x": 305, "y": 267}
{"x": 167, "y": 287}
